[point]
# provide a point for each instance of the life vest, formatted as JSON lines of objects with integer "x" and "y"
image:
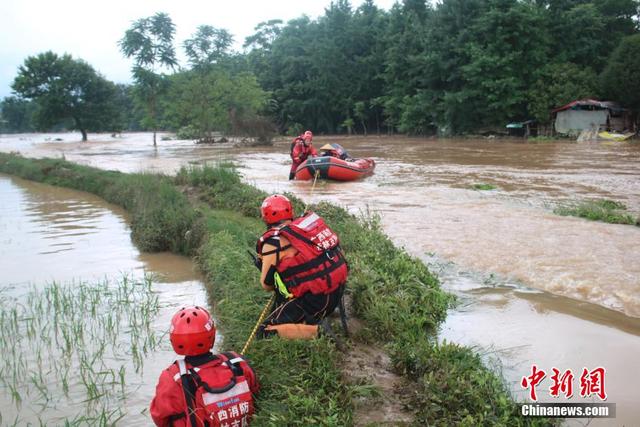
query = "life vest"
{"x": 223, "y": 395}
{"x": 319, "y": 266}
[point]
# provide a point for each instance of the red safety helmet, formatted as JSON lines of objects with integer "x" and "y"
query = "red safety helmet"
{"x": 276, "y": 208}
{"x": 192, "y": 331}
{"x": 308, "y": 136}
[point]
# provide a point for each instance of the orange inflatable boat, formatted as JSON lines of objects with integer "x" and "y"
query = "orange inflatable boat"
{"x": 328, "y": 167}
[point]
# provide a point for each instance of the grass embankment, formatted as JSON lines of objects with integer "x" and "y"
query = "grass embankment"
{"x": 599, "y": 210}
{"x": 398, "y": 299}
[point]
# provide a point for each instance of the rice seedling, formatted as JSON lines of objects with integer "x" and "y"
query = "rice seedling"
{"x": 70, "y": 346}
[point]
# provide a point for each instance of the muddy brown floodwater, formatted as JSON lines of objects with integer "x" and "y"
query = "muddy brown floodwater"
{"x": 535, "y": 287}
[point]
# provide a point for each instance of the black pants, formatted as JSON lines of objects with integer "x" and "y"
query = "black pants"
{"x": 308, "y": 308}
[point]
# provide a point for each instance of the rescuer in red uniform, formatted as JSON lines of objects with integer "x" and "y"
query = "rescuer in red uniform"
{"x": 301, "y": 260}
{"x": 301, "y": 148}
{"x": 203, "y": 389}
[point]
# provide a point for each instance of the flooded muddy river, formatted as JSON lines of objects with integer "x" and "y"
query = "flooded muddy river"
{"x": 51, "y": 234}
{"x": 534, "y": 287}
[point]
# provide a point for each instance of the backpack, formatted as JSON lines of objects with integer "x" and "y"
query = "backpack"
{"x": 223, "y": 396}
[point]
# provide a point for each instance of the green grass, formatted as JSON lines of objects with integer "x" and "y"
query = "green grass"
{"x": 482, "y": 186}
{"x": 398, "y": 299}
{"x": 603, "y": 210}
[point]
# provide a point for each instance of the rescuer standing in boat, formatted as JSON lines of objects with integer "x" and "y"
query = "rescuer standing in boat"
{"x": 300, "y": 259}
{"x": 301, "y": 148}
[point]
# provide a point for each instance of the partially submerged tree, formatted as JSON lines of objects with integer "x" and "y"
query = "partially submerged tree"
{"x": 67, "y": 89}
{"x": 213, "y": 96}
{"x": 150, "y": 42}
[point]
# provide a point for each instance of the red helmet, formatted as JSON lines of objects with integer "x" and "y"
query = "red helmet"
{"x": 192, "y": 331}
{"x": 307, "y": 136}
{"x": 276, "y": 208}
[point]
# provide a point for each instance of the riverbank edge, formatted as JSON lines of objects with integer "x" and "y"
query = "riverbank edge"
{"x": 207, "y": 213}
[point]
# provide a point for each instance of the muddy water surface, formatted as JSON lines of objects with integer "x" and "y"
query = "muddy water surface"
{"x": 53, "y": 234}
{"x": 536, "y": 287}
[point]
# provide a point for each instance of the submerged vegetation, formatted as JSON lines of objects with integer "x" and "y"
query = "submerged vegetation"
{"x": 77, "y": 346}
{"x": 599, "y": 210}
{"x": 482, "y": 186}
{"x": 398, "y": 300}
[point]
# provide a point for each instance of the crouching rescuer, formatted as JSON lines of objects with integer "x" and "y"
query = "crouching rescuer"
{"x": 203, "y": 389}
{"x": 300, "y": 259}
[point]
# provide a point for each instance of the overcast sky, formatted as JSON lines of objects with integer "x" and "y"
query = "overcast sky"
{"x": 91, "y": 29}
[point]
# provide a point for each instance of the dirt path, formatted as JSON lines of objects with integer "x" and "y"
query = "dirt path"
{"x": 368, "y": 364}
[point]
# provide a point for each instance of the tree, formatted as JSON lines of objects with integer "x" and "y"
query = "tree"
{"x": 17, "y": 114}
{"x": 621, "y": 78}
{"x": 209, "y": 45}
{"x": 557, "y": 85}
{"x": 67, "y": 88}
{"x": 150, "y": 42}
{"x": 225, "y": 100}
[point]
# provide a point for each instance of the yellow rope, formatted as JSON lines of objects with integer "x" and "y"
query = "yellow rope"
{"x": 315, "y": 179}
{"x": 260, "y": 319}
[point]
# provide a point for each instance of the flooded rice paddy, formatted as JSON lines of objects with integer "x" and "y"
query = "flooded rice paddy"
{"x": 534, "y": 287}
{"x": 85, "y": 315}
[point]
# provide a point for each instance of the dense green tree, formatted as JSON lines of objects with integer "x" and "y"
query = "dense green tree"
{"x": 17, "y": 115}
{"x": 451, "y": 66}
{"x": 557, "y": 85}
{"x": 150, "y": 42}
{"x": 66, "y": 88}
{"x": 216, "y": 95}
{"x": 208, "y": 46}
{"x": 621, "y": 78}
{"x": 503, "y": 55}
{"x": 131, "y": 115}
{"x": 225, "y": 102}
{"x": 585, "y": 32}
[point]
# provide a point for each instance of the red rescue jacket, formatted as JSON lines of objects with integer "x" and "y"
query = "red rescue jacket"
{"x": 216, "y": 393}
{"x": 319, "y": 266}
{"x": 301, "y": 151}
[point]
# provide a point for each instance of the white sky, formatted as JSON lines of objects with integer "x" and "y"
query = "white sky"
{"x": 90, "y": 29}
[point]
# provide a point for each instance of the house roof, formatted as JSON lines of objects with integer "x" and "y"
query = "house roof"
{"x": 601, "y": 105}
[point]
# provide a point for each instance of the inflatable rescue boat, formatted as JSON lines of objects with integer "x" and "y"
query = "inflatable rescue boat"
{"x": 329, "y": 167}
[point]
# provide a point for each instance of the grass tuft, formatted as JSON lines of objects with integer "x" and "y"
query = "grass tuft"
{"x": 482, "y": 186}
{"x": 603, "y": 210}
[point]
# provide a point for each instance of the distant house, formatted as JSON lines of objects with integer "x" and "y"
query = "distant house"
{"x": 590, "y": 114}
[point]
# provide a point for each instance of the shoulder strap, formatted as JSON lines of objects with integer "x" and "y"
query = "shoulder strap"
{"x": 191, "y": 414}
{"x": 294, "y": 233}
{"x": 274, "y": 240}
{"x": 233, "y": 362}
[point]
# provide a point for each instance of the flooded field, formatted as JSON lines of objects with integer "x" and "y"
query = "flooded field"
{"x": 84, "y": 314}
{"x": 534, "y": 287}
